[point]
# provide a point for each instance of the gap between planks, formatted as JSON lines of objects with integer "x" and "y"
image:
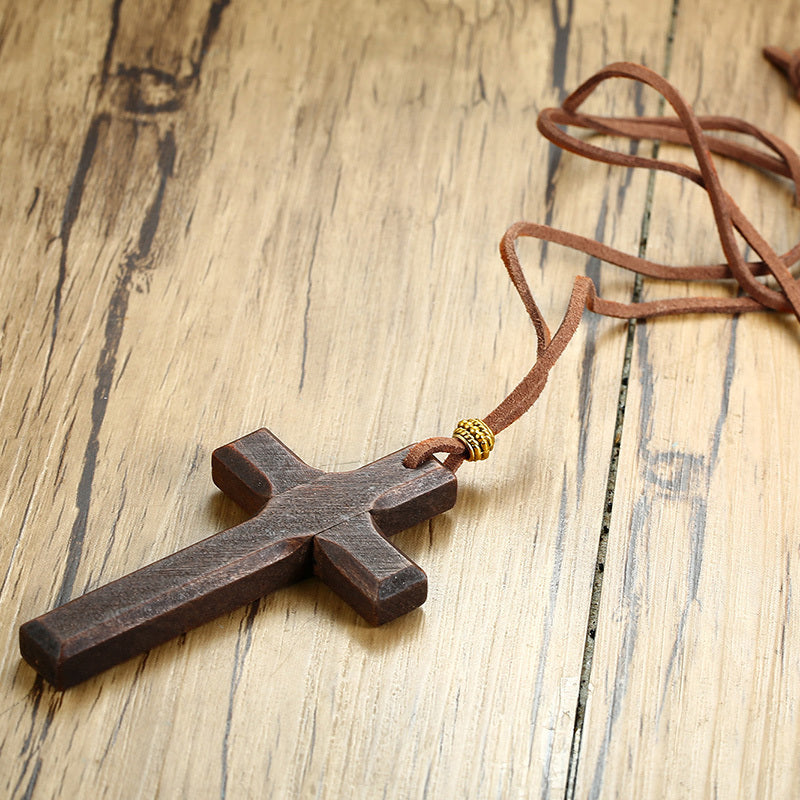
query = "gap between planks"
{"x": 622, "y": 397}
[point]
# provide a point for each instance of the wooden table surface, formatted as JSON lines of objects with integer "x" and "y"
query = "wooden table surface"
{"x": 222, "y": 215}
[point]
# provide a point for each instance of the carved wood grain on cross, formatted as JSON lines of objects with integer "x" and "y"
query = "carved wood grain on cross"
{"x": 306, "y": 522}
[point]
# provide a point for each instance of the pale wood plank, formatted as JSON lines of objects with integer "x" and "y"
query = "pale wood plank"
{"x": 695, "y": 678}
{"x": 325, "y": 263}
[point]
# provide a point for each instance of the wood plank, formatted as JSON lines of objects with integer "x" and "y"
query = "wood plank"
{"x": 695, "y": 679}
{"x": 227, "y": 215}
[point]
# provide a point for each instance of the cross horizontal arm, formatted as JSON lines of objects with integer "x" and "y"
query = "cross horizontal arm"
{"x": 256, "y": 467}
{"x": 161, "y": 601}
{"x": 368, "y": 571}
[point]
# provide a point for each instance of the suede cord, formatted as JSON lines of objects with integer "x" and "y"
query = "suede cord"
{"x": 787, "y": 63}
{"x": 684, "y": 128}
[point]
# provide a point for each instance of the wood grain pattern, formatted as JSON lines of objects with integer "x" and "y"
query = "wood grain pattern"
{"x": 695, "y": 679}
{"x": 218, "y": 214}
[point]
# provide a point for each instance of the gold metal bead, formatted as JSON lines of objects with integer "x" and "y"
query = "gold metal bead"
{"x": 477, "y": 437}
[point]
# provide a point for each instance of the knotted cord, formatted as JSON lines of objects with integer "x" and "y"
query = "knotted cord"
{"x": 684, "y": 128}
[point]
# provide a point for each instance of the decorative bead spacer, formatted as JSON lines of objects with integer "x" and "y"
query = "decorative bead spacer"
{"x": 477, "y": 437}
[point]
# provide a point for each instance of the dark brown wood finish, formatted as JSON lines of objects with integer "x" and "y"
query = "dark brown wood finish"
{"x": 306, "y": 522}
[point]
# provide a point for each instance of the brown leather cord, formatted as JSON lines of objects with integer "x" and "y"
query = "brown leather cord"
{"x": 687, "y": 129}
{"x": 787, "y": 63}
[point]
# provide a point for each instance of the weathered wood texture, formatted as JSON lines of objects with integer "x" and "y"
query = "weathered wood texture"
{"x": 218, "y": 215}
{"x": 696, "y": 677}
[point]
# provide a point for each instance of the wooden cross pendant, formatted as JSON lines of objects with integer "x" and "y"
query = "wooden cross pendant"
{"x": 330, "y": 524}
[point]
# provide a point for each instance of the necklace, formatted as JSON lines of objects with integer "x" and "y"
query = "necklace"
{"x": 335, "y": 525}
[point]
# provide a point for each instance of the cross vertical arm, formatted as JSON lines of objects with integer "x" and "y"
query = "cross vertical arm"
{"x": 156, "y": 603}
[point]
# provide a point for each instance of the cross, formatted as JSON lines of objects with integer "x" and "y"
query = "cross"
{"x": 306, "y": 521}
